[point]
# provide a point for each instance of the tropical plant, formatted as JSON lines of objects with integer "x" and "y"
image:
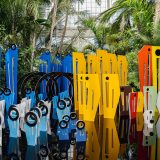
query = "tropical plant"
{"x": 132, "y": 59}
{"x": 130, "y": 14}
{"x": 21, "y": 21}
{"x": 99, "y": 31}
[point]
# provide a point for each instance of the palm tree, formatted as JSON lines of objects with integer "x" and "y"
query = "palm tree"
{"x": 64, "y": 9}
{"x": 53, "y": 21}
{"x": 20, "y": 18}
{"x": 157, "y": 12}
{"x": 98, "y": 30}
{"x": 129, "y": 13}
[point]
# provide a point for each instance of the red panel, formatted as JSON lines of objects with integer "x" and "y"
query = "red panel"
{"x": 133, "y": 104}
{"x": 145, "y": 66}
{"x": 137, "y": 137}
{"x": 142, "y": 151}
{"x": 133, "y": 131}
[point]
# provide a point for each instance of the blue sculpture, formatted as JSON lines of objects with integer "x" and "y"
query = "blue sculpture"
{"x": 11, "y": 59}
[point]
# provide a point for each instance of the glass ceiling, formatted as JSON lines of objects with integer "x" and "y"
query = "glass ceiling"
{"x": 89, "y": 6}
{"x": 92, "y": 8}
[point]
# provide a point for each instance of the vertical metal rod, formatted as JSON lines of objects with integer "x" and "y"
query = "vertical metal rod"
{"x": 13, "y": 74}
{"x": 149, "y": 70}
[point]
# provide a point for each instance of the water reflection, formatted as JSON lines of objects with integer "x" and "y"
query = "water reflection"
{"x": 13, "y": 148}
{"x": 31, "y": 153}
{"x": 123, "y": 129}
{"x": 107, "y": 139}
{"x": 93, "y": 143}
{"x": 110, "y": 143}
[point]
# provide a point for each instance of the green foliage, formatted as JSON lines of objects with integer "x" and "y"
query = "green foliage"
{"x": 89, "y": 49}
{"x": 24, "y": 60}
{"x": 153, "y": 39}
{"x": 22, "y": 23}
{"x": 132, "y": 58}
{"x": 129, "y": 13}
{"x": 2, "y": 32}
{"x": 124, "y": 29}
{"x": 21, "y": 19}
{"x": 99, "y": 30}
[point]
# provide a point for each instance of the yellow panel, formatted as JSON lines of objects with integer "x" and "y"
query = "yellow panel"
{"x": 111, "y": 94}
{"x": 102, "y": 62}
{"x": 111, "y": 145}
{"x": 90, "y": 95}
{"x": 79, "y": 67}
{"x": 140, "y": 103}
{"x": 81, "y": 94}
{"x": 156, "y": 66}
{"x": 107, "y": 64}
{"x": 92, "y": 144}
{"x": 93, "y": 69}
{"x": 112, "y": 63}
{"x": 102, "y": 67}
{"x": 139, "y": 121}
{"x": 122, "y": 70}
{"x": 92, "y": 64}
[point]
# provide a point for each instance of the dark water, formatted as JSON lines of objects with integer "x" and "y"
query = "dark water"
{"x": 106, "y": 139}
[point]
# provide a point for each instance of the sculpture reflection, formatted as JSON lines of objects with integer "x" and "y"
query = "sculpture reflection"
{"x": 110, "y": 144}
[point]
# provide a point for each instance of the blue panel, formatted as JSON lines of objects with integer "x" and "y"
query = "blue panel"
{"x": 66, "y": 68}
{"x": 46, "y": 56}
{"x": 11, "y": 59}
{"x": 0, "y": 66}
{"x": 32, "y": 97}
{"x": 67, "y": 64}
{"x": 45, "y": 67}
{"x": 57, "y": 67}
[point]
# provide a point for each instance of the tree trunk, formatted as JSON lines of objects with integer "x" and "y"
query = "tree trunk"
{"x": 157, "y": 12}
{"x": 13, "y": 23}
{"x": 33, "y": 49}
{"x": 55, "y": 3}
{"x": 63, "y": 33}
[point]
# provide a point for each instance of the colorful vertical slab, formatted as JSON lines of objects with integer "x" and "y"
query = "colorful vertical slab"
{"x": 111, "y": 94}
{"x": 11, "y": 59}
{"x": 122, "y": 70}
{"x": 92, "y": 64}
{"x": 79, "y": 67}
{"x": 140, "y": 103}
{"x": 145, "y": 66}
{"x": 46, "y": 68}
{"x": 156, "y": 67}
{"x": 67, "y": 67}
{"x": 89, "y": 95}
{"x": 102, "y": 68}
{"x": 150, "y": 97}
{"x": 112, "y": 63}
{"x": 133, "y": 98}
{"x": 124, "y": 103}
